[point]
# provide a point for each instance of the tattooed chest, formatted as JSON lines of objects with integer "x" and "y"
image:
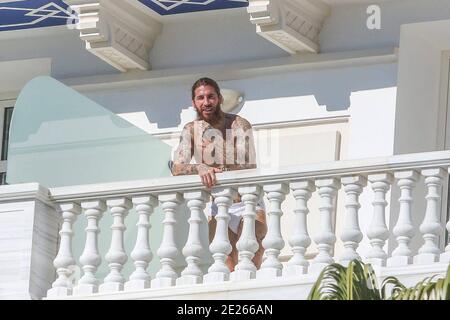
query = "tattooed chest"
{"x": 215, "y": 147}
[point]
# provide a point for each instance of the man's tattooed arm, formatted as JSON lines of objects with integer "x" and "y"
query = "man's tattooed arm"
{"x": 183, "y": 154}
{"x": 179, "y": 169}
{"x": 245, "y": 146}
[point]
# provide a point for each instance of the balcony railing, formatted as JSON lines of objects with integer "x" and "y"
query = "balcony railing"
{"x": 404, "y": 229}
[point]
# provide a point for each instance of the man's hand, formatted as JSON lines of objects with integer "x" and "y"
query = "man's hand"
{"x": 208, "y": 175}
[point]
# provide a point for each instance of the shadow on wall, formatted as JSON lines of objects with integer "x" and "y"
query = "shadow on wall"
{"x": 163, "y": 103}
{"x": 331, "y": 87}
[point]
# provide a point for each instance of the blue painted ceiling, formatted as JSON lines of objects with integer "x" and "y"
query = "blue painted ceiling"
{"x": 167, "y": 7}
{"x": 25, "y": 14}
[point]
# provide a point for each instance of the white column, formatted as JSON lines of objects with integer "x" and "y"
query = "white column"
{"x": 431, "y": 225}
{"x": 142, "y": 254}
{"x": 220, "y": 247}
{"x": 378, "y": 232}
{"x": 116, "y": 255}
{"x": 90, "y": 259}
{"x": 64, "y": 260}
{"x": 445, "y": 256}
{"x": 325, "y": 238}
{"x": 273, "y": 242}
{"x": 168, "y": 250}
{"x": 351, "y": 233}
{"x": 404, "y": 229}
{"x": 247, "y": 244}
{"x": 193, "y": 251}
{"x": 300, "y": 239}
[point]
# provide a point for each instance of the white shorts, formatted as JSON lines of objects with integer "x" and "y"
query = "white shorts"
{"x": 236, "y": 210}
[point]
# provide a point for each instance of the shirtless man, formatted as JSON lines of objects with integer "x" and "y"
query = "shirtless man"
{"x": 219, "y": 142}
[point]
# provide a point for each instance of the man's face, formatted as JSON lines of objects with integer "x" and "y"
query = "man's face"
{"x": 207, "y": 103}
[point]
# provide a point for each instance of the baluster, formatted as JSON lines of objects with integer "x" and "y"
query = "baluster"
{"x": 325, "y": 238}
{"x": 351, "y": 234}
{"x": 168, "y": 250}
{"x": 90, "y": 259}
{"x": 445, "y": 256}
{"x": 193, "y": 250}
{"x": 404, "y": 229}
{"x": 300, "y": 239}
{"x": 116, "y": 255}
{"x": 431, "y": 225}
{"x": 220, "y": 247}
{"x": 273, "y": 242}
{"x": 142, "y": 254}
{"x": 378, "y": 232}
{"x": 64, "y": 259}
{"x": 247, "y": 244}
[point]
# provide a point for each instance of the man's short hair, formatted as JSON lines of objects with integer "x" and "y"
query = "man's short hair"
{"x": 205, "y": 82}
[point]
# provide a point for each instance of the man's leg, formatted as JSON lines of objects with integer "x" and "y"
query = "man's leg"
{"x": 232, "y": 257}
{"x": 211, "y": 228}
{"x": 260, "y": 233}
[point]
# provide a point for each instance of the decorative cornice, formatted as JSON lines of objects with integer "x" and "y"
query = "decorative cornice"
{"x": 293, "y": 25}
{"x": 116, "y": 32}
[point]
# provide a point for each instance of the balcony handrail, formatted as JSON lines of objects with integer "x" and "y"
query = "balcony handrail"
{"x": 260, "y": 175}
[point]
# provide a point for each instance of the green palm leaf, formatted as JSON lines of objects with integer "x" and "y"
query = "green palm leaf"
{"x": 358, "y": 281}
{"x": 354, "y": 282}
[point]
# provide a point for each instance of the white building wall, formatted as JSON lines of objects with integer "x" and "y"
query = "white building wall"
{"x": 28, "y": 242}
{"x": 365, "y": 93}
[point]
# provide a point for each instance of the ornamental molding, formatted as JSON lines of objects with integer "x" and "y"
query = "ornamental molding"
{"x": 293, "y": 25}
{"x": 116, "y": 32}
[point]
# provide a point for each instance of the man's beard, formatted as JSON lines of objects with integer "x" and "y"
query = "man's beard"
{"x": 216, "y": 114}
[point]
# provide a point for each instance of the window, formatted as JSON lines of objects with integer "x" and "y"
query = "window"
{"x": 447, "y": 235}
{"x": 6, "y": 123}
{"x": 6, "y": 110}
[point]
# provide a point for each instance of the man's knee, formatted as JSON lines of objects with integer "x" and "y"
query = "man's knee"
{"x": 260, "y": 226}
{"x": 211, "y": 228}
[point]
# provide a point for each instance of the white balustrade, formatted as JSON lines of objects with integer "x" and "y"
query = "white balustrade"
{"x": 116, "y": 256}
{"x": 378, "y": 232}
{"x": 404, "y": 229}
{"x": 64, "y": 261}
{"x": 431, "y": 225}
{"x": 193, "y": 250}
{"x": 273, "y": 242}
{"x": 168, "y": 250}
{"x": 300, "y": 239}
{"x": 142, "y": 254}
{"x": 90, "y": 258}
{"x": 445, "y": 256}
{"x": 351, "y": 234}
{"x": 325, "y": 239}
{"x": 247, "y": 244}
{"x": 302, "y": 181}
{"x": 220, "y": 247}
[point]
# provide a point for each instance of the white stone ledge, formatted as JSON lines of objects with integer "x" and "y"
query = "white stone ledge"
{"x": 335, "y": 117}
{"x": 25, "y": 191}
